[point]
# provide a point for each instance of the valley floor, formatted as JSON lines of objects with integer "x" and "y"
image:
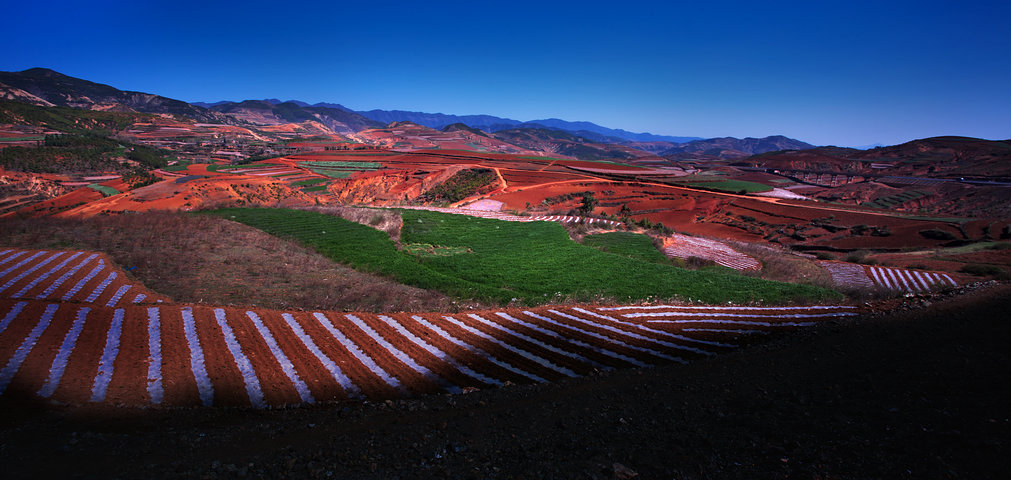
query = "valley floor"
{"x": 919, "y": 392}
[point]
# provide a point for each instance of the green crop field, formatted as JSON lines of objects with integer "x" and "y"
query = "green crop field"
{"x": 339, "y": 169}
{"x": 627, "y": 244}
{"x": 309, "y": 182}
{"x": 106, "y": 191}
{"x": 732, "y": 186}
{"x": 531, "y": 263}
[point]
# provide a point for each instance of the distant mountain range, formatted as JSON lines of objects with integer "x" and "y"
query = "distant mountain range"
{"x": 45, "y": 87}
{"x": 486, "y": 123}
{"x": 730, "y": 147}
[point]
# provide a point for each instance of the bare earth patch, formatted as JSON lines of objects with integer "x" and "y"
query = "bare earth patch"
{"x": 204, "y": 259}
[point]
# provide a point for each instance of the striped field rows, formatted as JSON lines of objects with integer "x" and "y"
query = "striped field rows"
{"x": 516, "y": 218}
{"x": 196, "y": 355}
{"x": 68, "y": 276}
{"x": 852, "y": 275}
{"x": 74, "y": 330}
{"x": 684, "y": 247}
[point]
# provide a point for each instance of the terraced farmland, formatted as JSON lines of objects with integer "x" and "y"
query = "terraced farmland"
{"x": 852, "y": 275}
{"x": 685, "y": 247}
{"x": 80, "y": 345}
{"x": 333, "y": 169}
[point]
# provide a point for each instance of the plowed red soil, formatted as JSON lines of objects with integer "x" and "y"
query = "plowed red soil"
{"x": 518, "y": 346}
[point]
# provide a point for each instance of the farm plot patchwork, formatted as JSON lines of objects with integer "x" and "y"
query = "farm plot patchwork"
{"x": 175, "y": 355}
{"x": 906, "y": 280}
{"x": 339, "y": 169}
{"x": 684, "y": 247}
{"x": 852, "y": 275}
{"x": 494, "y": 214}
{"x": 532, "y": 262}
{"x": 73, "y": 276}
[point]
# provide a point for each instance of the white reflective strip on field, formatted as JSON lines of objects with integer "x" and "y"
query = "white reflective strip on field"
{"x": 8, "y": 372}
{"x": 12, "y": 257}
{"x": 241, "y": 361}
{"x": 723, "y": 330}
{"x": 63, "y": 278}
{"x": 154, "y": 385}
{"x": 738, "y": 315}
{"x": 357, "y": 352}
{"x": 118, "y": 295}
{"x": 22, "y": 263}
{"x": 577, "y": 343}
{"x": 553, "y": 334}
{"x": 197, "y": 365}
{"x": 282, "y": 359}
{"x": 603, "y": 337}
{"x": 895, "y": 279}
{"x": 105, "y": 366}
{"x": 139, "y": 298}
{"x": 5, "y": 252}
{"x": 740, "y": 322}
{"x": 654, "y": 331}
{"x": 918, "y": 281}
{"x": 946, "y": 277}
{"x": 80, "y": 283}
{"x": 44, "y": 276}
{"x": 349, "y": 387}
{"x": 63, "y": 354}
{"x": 438, "y": 353}
{"x": 100, "y": 288}
{"x": 475, "y": 350}
{"x": 907, "y": 280}
{"x": 925, "y": 279}
{"x": 715, "y": 307}
{"x": 900, "y": 278}
{"x": 403, "y": 357}
{"x": 880, "y": 279}
{"x": 12, "y": 315}
{"x": 519, "y": 351}
{"x": 31, "y": 270}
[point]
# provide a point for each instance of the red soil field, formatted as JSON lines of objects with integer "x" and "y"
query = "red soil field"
{"x": 168, "y": 354}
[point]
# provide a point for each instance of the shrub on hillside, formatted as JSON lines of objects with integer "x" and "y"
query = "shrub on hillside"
{"x": 937, "y": 234}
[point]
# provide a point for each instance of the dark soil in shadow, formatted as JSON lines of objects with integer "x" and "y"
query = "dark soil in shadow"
{"x": 917, "y": 392}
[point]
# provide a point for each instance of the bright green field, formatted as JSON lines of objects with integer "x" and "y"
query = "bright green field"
{"x": 309, "y": 182}
{"x": 339, "y": 169}
{"x": 533, "y": 262}
{"x": 627, "y": 244}
{"x": 106, "y": 191}
{"x": 732, "y": 186}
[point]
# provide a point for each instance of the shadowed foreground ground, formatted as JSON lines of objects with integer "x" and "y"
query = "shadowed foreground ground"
{"x": 919, "y": 393}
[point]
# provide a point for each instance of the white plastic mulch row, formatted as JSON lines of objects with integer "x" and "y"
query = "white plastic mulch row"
{"x": 514, "y": 218}
{"x": 551, "y": 343}
{"x": 847, "y": 275}
{"x": 684, "y": 247}
{"x": 854, "y": 275}
{"x": 909, "y": 280}
{"x": 38, "y": 269}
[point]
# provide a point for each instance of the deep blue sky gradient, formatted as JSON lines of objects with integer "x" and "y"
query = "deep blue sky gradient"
{"x": 846, "y": 73}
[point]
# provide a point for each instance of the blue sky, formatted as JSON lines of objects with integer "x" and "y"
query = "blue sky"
{"x": 845, "y": 73}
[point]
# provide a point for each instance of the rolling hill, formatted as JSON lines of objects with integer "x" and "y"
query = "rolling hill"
{"x": 58, "y": 89}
